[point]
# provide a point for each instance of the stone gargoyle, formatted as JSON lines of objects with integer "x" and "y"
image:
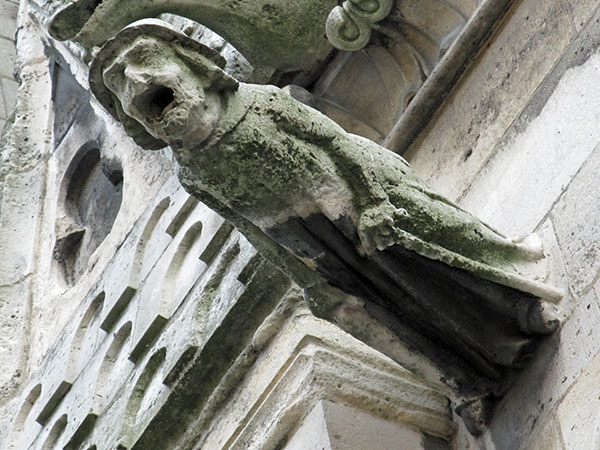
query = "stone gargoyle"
{"x": 377, "y": 252}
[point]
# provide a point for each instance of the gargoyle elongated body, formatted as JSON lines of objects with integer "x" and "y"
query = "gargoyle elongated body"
{"x": 375, "y": 249}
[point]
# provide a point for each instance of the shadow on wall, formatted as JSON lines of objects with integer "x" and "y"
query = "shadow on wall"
{"x": 89, "y": 201}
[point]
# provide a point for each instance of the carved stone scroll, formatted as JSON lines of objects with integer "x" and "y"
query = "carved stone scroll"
{"x": 349, "y": 25}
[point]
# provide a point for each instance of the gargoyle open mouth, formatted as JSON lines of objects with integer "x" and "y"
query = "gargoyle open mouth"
{"x": 155, "y": 102}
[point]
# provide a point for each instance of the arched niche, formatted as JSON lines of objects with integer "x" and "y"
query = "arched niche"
{"x": 138, "y": 394}
{"x": 89, "y": 201}
{"x": 83, "y": 339}
{"x": 184, "y": 269}
{"x": 55, "y": 433}
{"x": 15, "y": 437}
{"x": 141, "y": 262}
{"x": 108, "y": 376}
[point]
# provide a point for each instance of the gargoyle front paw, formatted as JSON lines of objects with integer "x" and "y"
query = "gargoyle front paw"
{"x": 378, "y": 227}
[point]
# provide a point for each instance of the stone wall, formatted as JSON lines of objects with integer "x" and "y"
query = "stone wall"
{"x": 8, "y": 85}
{"x": 517, "y": 143}
{"x": 150, "y": 322}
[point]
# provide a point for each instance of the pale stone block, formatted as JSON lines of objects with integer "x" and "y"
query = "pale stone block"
{"x": 18, "y": 224}
{"x": 312, "y": 432}
{"x": 581, "y": 11}
{"x": 556, "y": 271}
{"x": 549, "y": 438}
{"x": 7, "y": 57}
{"x": 331, "y": 426}
{"x": 9, "y": 89}
{"x": 576, "y": 218}
{"x": 490, "y": 97}
{"x": 3, "y": 108}
{"x": 519, "y": 186}
{"x": 558, "y": 364}
{"x": 578, "y": 413}
{"x": 8, "y": 19}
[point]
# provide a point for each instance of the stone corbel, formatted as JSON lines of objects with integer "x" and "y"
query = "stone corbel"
{"x": 349, "y": 26}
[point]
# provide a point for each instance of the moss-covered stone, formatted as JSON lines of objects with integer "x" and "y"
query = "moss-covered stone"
{"x": 283, "y": 35}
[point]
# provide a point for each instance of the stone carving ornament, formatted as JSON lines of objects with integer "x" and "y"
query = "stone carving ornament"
{"x": 376, "y": 250}
{"x": 349, "y": 25}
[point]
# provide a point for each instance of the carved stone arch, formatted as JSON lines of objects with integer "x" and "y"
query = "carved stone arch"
{"x": 55, "y": 433}
{"x": 89, "y": 200}
{"x": 103, "y": 385}
{"x": 184, "y": 269}
{"x": 140, "y": 262}
{"x": 19, "y": 423}
{"x": 79, "y": 340}
{"x": 137, "y": 395}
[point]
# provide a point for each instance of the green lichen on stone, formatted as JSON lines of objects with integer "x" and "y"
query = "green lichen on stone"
{"x": 262, "y": 159}
{"x": 284, "y": 34}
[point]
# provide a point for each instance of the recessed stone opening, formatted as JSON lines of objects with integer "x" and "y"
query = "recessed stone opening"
{"x": 90, "y": 200}
{"x": 154, "y": 101}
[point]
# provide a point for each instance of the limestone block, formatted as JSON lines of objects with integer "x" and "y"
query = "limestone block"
{"x": 178, "y": 270}
{"x": 311, "y": 360}
{"x": 560, "y": 362}
{"x": 522, "y": 182}
{"x": 12, "y": 338}
{"x": 491, "y": 95}
{"x": 549, "y": 438}
{"x": 331, "y": 426}
{"x": 582, "y": 11}
{"x": 577, "y": 222}
{"x": 8, "y": 19}
{"x": 18, "y": 223}
{"x": 578, "y": 413}
{"x": 9, "y": 90}
{"x": 3, "y": 108}
{"x": 7, "y": 56}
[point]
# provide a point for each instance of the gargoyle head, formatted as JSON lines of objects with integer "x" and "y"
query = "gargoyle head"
{"x": 161, "y": 85}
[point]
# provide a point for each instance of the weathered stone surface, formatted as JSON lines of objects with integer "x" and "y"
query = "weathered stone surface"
{"x": 9, "y": 91}
{"x": 578, "y": 413}
{"x": 326, "y": 365}
{"x": 331, "y": 426}
{"x": 7, "y": 56}
{"x": 153, "y": 216}
{"x": 491, "y": 95}
{"x": 285, "y": 37}
{"x": 540, "y": 389}
{"x": 577, "y": 222}
{"x": 581, "y": 12}
{"x": 549, "y": 438}
{"x": 8, "y": 19}
{"x": 520, "y": 185}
